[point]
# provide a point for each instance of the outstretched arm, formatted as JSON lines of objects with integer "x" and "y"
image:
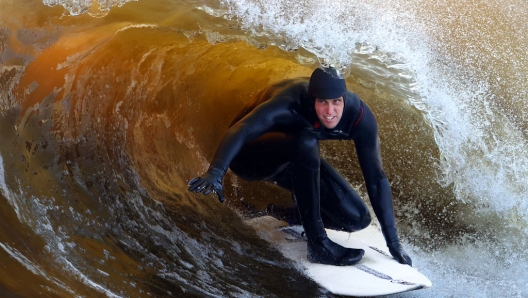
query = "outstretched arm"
{"x": 253, "y": 125}
{"x": 378, "y": 187}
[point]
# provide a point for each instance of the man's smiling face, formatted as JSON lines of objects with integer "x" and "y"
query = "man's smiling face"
{"x": 329, "y": 111}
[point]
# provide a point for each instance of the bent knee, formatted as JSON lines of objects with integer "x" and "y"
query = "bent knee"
{"x": 349, "y": 224}
{"x": 358, "y": 214}
{"x": 307, "y": 144}
{"x": 308, "y": 150}
{"x": 360, "y": 223}
{"x": 365, "y": 221}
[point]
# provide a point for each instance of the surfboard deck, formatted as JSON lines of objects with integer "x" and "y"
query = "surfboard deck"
{"x": 378, "y": 273}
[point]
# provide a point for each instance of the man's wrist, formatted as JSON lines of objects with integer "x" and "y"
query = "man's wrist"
{"x": 216, "y": 170}
{"x": 391, "y": 235}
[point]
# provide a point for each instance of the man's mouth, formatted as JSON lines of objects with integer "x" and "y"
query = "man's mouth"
{"x": 329, "y": 118}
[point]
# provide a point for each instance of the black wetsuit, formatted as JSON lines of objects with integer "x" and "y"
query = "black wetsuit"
{"x": 276, "y": 138}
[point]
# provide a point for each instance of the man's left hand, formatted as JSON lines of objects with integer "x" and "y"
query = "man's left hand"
{"x": 398, "y": 253}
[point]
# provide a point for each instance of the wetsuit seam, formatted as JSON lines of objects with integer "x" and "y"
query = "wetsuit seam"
{"x": 360, "y": 116}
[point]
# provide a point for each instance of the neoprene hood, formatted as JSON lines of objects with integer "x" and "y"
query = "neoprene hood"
{"x": 326, "y": 83}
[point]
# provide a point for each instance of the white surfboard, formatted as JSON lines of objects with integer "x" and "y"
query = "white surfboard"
{"x": 378, "y": 273}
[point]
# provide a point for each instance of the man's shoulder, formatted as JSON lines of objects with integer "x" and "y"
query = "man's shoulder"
{"x": 292, "y": 86}
{"x": 280, "y": 96}
{"x": 351, "y": 95}
{"x": 287, "y": 92}
{"x": 292, "y": 81}
{"x": 352, "y": 102}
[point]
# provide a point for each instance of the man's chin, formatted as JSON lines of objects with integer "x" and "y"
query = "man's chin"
{"x": 330, "y": 126}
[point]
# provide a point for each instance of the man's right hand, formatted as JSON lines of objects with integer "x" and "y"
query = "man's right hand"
{"x": 209, "y": 182}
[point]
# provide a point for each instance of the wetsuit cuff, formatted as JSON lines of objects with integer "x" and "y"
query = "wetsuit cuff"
{"x": 216, "y": 170}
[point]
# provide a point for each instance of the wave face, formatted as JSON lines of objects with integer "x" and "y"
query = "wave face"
{"x": 108, "y": 108}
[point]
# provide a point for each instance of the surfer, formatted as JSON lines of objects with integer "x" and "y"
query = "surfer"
{"x": 275, "y": 138}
